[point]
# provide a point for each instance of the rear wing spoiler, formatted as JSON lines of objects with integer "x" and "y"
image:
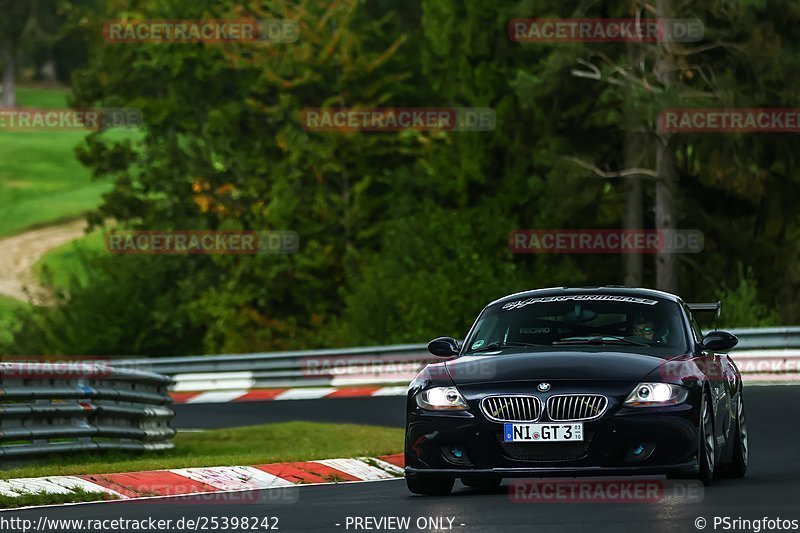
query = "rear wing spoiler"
{"x": 706, "y": 308}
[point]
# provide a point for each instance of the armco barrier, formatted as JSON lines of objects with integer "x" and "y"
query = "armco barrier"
{"x": 382, "y": 364}
{"x": 50, "y": 408}
{"x": 389, "y": 364}
{"x": 761, "y": 338}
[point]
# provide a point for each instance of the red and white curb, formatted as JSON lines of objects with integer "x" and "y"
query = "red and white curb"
{"x": 304, "y": 393}
{"x": 219, "y": 480}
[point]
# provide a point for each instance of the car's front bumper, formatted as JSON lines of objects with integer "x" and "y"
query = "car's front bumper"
{"x": 669, "y": 436}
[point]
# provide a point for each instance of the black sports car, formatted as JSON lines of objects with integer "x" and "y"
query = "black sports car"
{"x": 576, "y": 382}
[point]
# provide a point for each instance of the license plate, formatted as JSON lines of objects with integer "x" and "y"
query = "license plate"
{"x": 543, "y": 432}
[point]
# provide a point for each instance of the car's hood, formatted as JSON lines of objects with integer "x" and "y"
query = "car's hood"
{"x": 572, "y": 364}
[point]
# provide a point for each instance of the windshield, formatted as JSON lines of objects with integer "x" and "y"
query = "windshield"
{"x": 652, "y": 326}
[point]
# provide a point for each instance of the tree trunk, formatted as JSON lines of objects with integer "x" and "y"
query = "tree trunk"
{"x": 9, "y": 96}
{"x": 666, "y": 181}
{"x": 634, "y": 214}
{"x": 636, "y": 147}
{"x": 48, "y": 72}
{"x": 666, "y": 201}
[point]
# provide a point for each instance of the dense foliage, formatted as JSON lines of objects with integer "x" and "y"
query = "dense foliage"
{"x": 404, "y": 235}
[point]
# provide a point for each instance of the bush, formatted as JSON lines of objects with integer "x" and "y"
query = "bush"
{"x": 126, "y": 305}
{"x": 435, "y": 273}
{"x": 741, "y": 306}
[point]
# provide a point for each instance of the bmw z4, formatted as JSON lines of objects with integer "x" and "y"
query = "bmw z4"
{"x": 577, "y": 382}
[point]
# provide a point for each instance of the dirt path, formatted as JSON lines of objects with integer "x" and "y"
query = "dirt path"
{"x": 19, "y": 253}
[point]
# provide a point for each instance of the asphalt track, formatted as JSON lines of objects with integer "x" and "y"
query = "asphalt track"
{"x": 771, "y": 489}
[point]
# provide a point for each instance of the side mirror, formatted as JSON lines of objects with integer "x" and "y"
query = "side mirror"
{"x": 443, "y": 347}
{"x": 720, "y": 341}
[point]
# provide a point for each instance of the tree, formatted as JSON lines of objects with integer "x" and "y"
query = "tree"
{"x": 402, "y": 232}
{"x": 14, "y": 24}
{"x": 224, "y": 131}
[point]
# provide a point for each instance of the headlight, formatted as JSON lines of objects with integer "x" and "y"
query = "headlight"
{"x": 654, "y": 394}
{"x": 441, "y": 399}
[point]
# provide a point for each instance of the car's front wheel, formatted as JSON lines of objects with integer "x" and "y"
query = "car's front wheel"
{"x": 708, "y": 443}
{"x": 738, "y": 466}
{"x": 430, "y": 485}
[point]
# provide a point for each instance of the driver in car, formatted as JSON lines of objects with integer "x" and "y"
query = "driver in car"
{"x": 645, "y": 329}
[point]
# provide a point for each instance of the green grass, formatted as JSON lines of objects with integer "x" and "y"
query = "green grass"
{"x": 269, "y": 443}
{"x": 64, "y": 262}
{"x": 8, "y": 322}
{"x": 9, "y": 304}
{"x": 41, "y": 181}
{"x": 45, "y": 498}
{"x": 41, "y": 98}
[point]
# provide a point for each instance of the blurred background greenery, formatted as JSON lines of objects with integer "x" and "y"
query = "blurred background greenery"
{"x": 404, "y": 235}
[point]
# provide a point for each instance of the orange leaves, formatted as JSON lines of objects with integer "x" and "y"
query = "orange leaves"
{"x": 212, "y": 200}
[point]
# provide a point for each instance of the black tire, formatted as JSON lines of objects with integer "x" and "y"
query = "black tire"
{"x": 430, "y": 485}
{"x": 738, "y": 465}
{"x": 707, "y": 445}
{"x": 482, "y": 482}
